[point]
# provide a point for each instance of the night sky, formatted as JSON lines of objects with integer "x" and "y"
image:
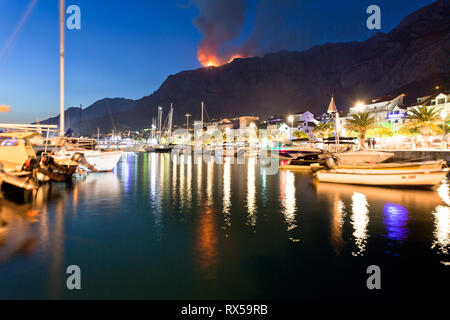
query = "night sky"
{"x": 128, "y": 48}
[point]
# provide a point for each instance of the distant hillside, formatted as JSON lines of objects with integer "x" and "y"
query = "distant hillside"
{"x": 412, "y": 58}
{"x": 89, "y": 118}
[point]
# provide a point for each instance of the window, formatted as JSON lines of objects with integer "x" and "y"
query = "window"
{"x": 8, "y": 142}
{"x": 441, "y": 101}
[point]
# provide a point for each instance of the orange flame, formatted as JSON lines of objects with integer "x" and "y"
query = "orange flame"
{"x": 210, "y": 60}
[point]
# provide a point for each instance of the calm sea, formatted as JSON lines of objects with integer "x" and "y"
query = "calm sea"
{"x": 158, "y": 229}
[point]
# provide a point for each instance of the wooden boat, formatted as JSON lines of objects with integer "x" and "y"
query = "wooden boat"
{"x": 300, "y": 167}
{"x": 390, "y": 167}
{"x": 392, "y": 178}
{"x": 356, "y": 157}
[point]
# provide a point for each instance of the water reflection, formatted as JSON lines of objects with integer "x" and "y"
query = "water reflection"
{"x": 288, "y": 199}
{"x": 337, "y": 221}
{"x": 360, "y": 220}
{"x": 395, "y": 220}
{"x": 17, "y": 235}
{"x": 355, "y": 216}
{"x": 209, "y": 182}
{"x": 251, "y": 192}
{"x": 206, "y": 244}
{"x": 441, "y": 229}
{"x": 227, "y": 191}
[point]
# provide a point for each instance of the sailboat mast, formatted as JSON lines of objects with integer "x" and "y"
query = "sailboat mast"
{"x": 61, "y": 66}
{"x": 170, "y": 120}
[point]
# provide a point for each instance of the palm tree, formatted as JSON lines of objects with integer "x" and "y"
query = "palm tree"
{"x": 361, "y": 122}
{"x": 323, "y": 130}
{"x": 424, "y": 119}
{"x": 300, "y": 134}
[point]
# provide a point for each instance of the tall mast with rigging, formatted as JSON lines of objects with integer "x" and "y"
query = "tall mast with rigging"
{"x": 61, "y": 66}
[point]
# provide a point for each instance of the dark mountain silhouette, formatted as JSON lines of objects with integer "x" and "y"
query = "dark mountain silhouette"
{"x": 413, "y": 58}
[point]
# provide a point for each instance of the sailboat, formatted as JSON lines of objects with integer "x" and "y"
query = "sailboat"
{"x": 162, "y": 148}
{"x": 98, "y": 160}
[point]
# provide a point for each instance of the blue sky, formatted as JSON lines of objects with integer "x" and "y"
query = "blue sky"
{"x": 128, "y": 48}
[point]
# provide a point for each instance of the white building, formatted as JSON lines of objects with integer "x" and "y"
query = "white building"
{"x": 378, "y": 107}
{"x": 439, "y": 100}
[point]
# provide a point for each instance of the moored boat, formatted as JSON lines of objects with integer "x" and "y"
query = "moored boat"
{"x": 357, "y": 157}
{"x": 386, "y": 178}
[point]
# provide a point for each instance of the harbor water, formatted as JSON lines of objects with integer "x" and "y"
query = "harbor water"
{"x": 161, "y": 229}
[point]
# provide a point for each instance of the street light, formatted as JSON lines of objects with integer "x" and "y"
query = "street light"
{"x": 291, "y": 120}
{"x": 359, "y": 106}
{"x": 187, "y": 121}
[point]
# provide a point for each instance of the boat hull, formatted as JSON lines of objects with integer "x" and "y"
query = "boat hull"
{"x": 354, "y": 157}
{"x": 400, "y": 178}
{"x": 102, "y": 161}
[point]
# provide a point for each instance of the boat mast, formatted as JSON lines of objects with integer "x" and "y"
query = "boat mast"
{"x": 159, "y": 123}
{"x": 170, "y": 121}
{"x": 61, "y": 66}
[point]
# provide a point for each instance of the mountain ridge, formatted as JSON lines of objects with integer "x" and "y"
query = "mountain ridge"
{"x": 413, "y": 56}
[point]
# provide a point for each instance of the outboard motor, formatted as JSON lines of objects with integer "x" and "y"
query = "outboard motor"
{"x": 81, "y": 159}
{"x": 330, "y": 163}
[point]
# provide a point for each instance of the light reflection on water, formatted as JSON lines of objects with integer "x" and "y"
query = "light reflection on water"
{"x": 360, "y": 221}
{"x": 210, "y": 217}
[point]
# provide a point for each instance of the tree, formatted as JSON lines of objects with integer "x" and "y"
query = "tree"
{"x": 323, "y": 130}
{"x": 300, "y": 134}
{"x": 361, "y": 122}
{"x": 407, "y": 131}
{"x": 381, "y": 132}
{"x": 425, "y": 119}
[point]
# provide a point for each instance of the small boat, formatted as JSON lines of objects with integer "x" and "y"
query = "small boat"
{"x": 158, "y": 148}
{"x": 389, "y": 167}
{"x": 307, "y": 161}
{"x": 97, "y": 160}
{"x": 386, "y": 178}
{"x": 356, "y": 157}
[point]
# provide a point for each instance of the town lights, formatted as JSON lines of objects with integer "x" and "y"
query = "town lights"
{"x": 359, "y": 106}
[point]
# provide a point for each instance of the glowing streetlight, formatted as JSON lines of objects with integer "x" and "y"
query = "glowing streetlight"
{"x": 187, "y": 121}
{"x": 359, "y": 106}
{"x": 5, "y": 108}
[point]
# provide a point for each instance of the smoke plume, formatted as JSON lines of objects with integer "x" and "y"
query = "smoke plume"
{"x": 221, "y": 22}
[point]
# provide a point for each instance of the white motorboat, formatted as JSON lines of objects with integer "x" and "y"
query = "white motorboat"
{"x": 101, "y": 161}
{"x": 387, "y": 178}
